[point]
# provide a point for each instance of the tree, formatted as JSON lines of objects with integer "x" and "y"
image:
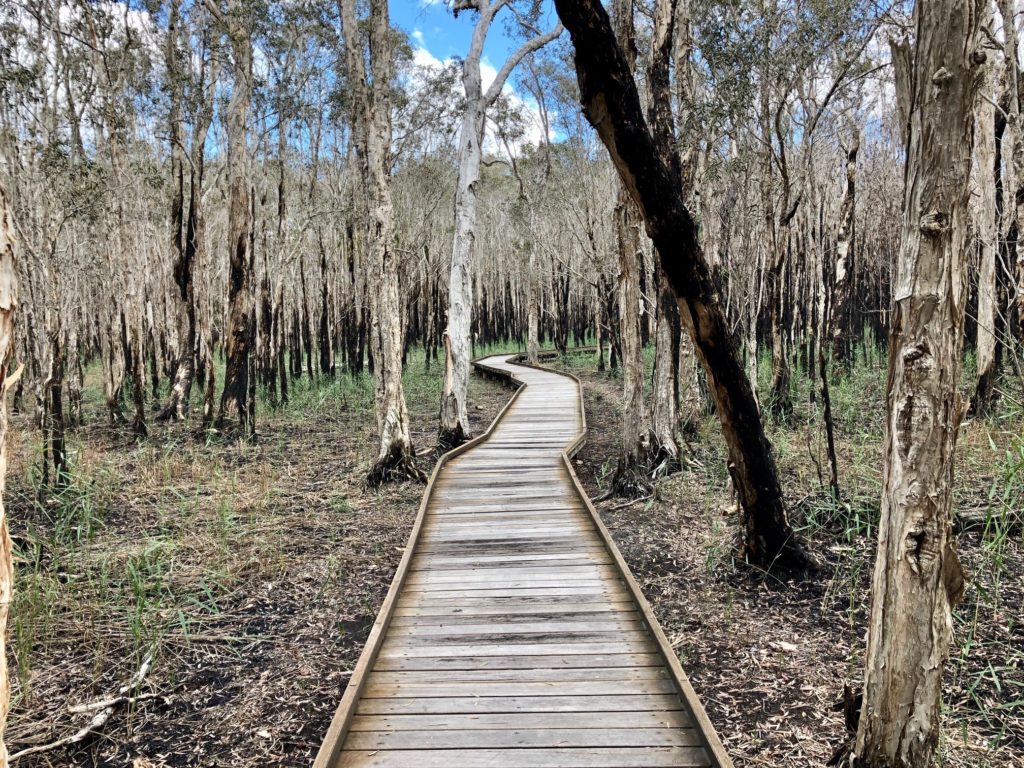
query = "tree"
{"x": 8, "y": 304}
{"x": 235, "y": 400}
{"x": 917, "y": 578}
{"x": 458, "y": 345}
{"x": 986, "y": 235}
{"x": 612, "y": 105}
{"x": 371, "y": 135}
{"x": 630, "y": 477}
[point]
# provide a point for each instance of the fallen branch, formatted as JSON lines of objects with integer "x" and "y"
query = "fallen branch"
{"x": 100, "y": 718}
{"x": 114, "y": 701}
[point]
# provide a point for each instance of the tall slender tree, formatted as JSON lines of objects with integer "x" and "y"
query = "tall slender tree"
{"x": 8, "y": 305}
{"x": 917, "y": 578}
{"x": 371, "y": 134}
{"x": 458, "y": 346}
{"x": 235, "y": 400}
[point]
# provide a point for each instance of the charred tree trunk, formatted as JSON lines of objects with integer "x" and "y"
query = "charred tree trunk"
{"x": 234, "y": 400}
{"x": 612, "y": 105}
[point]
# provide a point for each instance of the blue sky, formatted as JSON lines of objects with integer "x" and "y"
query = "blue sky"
{"x": 437, "y": 36}
{"x": 435, "y": 28}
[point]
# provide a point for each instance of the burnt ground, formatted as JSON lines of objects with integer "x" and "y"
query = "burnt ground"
{"x": 254, "y": 572}
{"x": 770, "y": 657}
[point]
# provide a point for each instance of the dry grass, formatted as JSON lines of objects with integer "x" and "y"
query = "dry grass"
{"x": 254, "y": 572}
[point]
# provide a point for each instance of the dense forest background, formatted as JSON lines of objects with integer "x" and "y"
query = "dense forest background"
{"x": 226, "y": 363}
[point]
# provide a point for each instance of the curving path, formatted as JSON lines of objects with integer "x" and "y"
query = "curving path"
{"x": 514, "y": 634}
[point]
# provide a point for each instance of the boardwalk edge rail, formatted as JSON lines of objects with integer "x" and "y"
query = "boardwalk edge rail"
{"x": 336, "y": 733}
{"x": 709, "y": 736}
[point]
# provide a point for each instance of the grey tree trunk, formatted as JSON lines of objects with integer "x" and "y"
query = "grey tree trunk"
{"x": 396, "y": 458}
{"x": 917, "y": 578}
{"x": 630, "y": 479}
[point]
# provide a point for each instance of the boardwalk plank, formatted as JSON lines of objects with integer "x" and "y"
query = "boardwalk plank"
{"x": 514, "y": 635}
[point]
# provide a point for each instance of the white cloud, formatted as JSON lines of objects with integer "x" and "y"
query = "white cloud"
{"x": 534, "y": 128}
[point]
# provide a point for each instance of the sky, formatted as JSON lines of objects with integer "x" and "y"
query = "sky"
{"x": 433, "y": 27}
{"x": 437, "y": 36}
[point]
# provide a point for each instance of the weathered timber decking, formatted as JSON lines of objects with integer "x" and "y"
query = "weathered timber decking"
{"x": 513, "y": 633}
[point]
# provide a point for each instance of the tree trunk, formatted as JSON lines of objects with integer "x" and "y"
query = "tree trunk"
{"x": 612, "y": 105}
{"x": 665, "y": 438}
{"x": 234, "y": 400}
{"x": 8, "y": 305}
{"x": 845, "y": 238}
{"x": 983, "y": 214}
{"x": 630, "y": 479}
{"x": 396, "y": 458}
{"x": 917, "y": 578}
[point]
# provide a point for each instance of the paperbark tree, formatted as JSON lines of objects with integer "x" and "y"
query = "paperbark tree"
{"x": 986, "y": 232}
{"x": 371, "y": 135}
{"x": 612, "y": 105}
{"x": 182, "y": 251}
{"x": 917, "y": 578}
{"x": 665, "y": 438}
{"x": 630, "y": 478}
{"x": 1015, "y": 168}
{"x": 235, "y": 402}
{"x": 454, "y": 427}
{"x": 843, "y": 270}
{"x": 8, "y": 305}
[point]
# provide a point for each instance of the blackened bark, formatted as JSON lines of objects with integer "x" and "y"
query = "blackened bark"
{"x": 612, "y": 105}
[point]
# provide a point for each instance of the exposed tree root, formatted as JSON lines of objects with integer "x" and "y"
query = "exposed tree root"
{"x": 124, "y": 696}
{"x": 451, "y": 438}
{"x": 663, "y": 462}
{"x": 630, "y": 481}
{"x": 396, "y": 466}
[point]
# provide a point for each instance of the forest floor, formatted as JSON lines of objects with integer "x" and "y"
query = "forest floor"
{"x": 769, "y": 658}
{"x": 255, "y": 572}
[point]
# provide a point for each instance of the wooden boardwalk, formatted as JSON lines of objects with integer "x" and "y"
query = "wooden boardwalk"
{"x": 514, "y": 634}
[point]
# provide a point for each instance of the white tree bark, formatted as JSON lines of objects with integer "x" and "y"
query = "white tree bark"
{"x": 983, "y": 214}
{"x": 454, "y": 416}
{"x": 8, "y": 304}
{"x": 917, "y": 578}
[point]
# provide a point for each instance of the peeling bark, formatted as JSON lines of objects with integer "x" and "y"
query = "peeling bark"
{"x": 917, "y": 578}
{"x": 8, "y": 305}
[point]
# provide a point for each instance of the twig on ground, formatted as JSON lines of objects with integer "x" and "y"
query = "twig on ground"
{"x": 100, "y": 718}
